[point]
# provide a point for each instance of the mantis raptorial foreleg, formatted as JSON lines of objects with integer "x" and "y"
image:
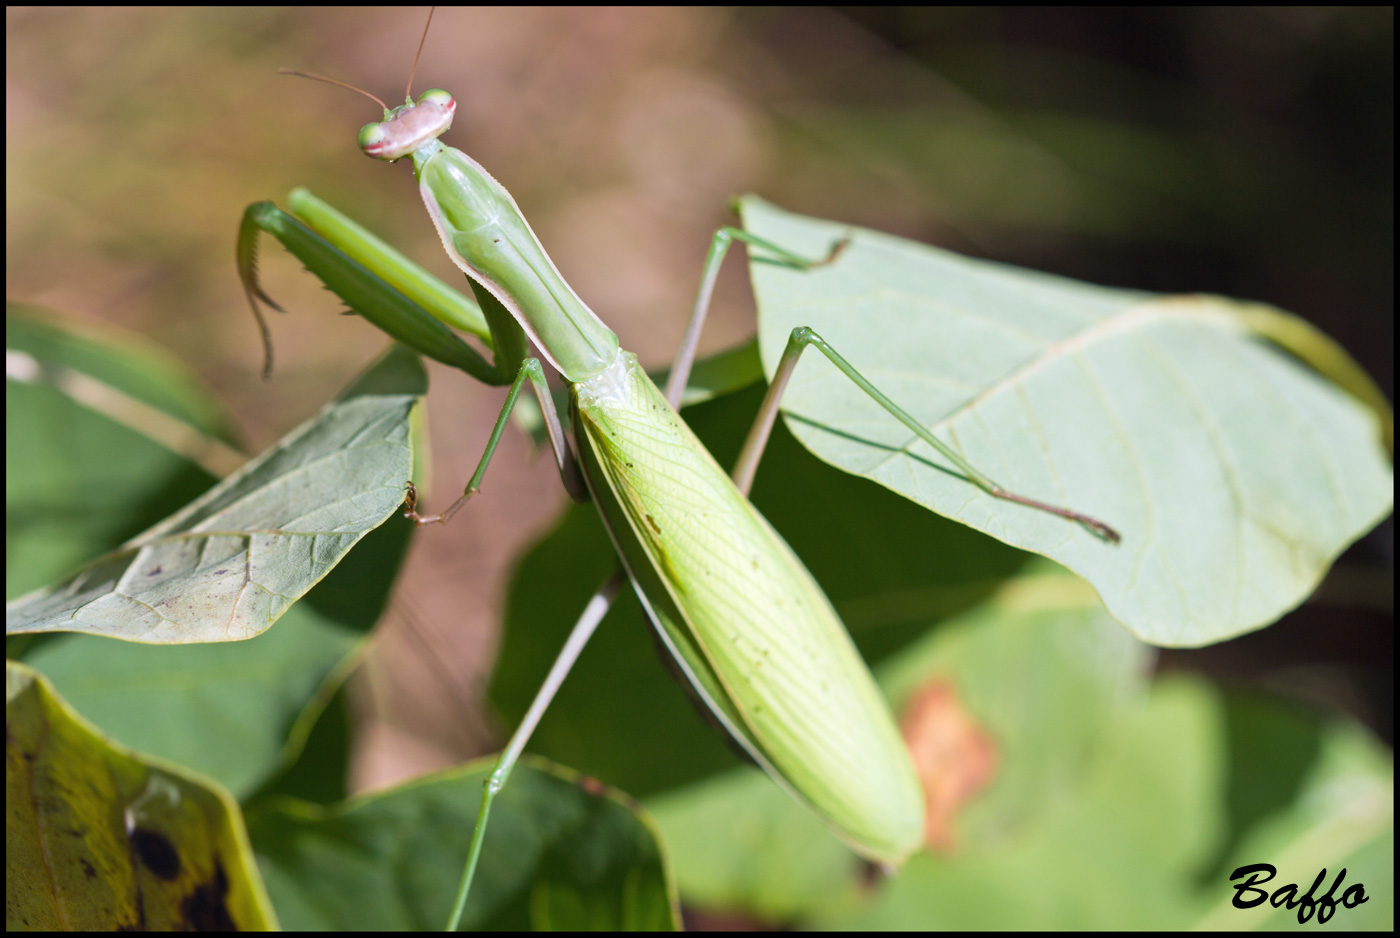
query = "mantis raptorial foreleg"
{"x": 380, "y": 284}
{"x": 411, "y": 305}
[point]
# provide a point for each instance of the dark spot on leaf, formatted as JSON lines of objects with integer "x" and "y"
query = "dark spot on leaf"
{"x": 155, "y": 572}
{"x": 652, "y": 522}
{"x": 157, "y": 852}
{"x": 204, "y": 909}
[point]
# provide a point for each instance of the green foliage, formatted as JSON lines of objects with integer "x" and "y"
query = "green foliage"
{"x": 1111, "y": 803}
{"x": 1042, "y": 748}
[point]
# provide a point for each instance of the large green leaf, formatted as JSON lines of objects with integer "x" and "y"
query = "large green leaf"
{"x": 98, "y": 838}
{"x": 1177, "y": 801}
{"x": 1235, "y": 472}
{"x": 563, "y": 852}
{"x": 228, "y": 564}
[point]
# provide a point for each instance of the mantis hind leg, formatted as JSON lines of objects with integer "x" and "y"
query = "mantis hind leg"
{"x": 583, "y": 630}
{"x": 803, "y": 337}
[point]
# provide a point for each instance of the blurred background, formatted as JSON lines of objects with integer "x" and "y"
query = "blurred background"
{"x": 1239, "y": 151}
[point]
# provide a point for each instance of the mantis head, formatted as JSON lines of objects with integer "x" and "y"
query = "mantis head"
{"x": 405, "y": 129}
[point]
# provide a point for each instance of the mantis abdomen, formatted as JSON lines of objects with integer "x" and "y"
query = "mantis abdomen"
{"x": 755, "y": 632}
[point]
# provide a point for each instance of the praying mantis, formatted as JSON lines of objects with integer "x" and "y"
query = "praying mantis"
{"x": 532, "y": 203}
{"x": 750, "y": 629}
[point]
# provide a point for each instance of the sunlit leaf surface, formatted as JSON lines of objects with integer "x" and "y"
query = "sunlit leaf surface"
{"x": 228, "y": 564}
{"x": 1234, "y": 471}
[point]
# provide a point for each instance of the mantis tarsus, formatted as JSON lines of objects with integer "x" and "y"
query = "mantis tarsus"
{"x": 747, "y": 624}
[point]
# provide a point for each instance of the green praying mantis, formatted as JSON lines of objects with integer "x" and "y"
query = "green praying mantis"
{"x": 749, "y": 627}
